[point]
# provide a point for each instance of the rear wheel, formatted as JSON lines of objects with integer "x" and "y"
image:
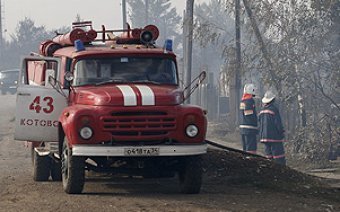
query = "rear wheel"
{"x": 41, "y": 167}
{"x": 190, "y": 175}
{"x": 56, "y": 170}
{"x": 73, "y": 171}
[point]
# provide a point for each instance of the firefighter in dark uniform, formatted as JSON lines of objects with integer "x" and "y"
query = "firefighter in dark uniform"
{"x": 271, "y": 129}
{"x": 248, "y": 119}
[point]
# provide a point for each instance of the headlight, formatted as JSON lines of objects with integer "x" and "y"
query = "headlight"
{"x": 191, "y": 130}
{"x": 86, "y": 133}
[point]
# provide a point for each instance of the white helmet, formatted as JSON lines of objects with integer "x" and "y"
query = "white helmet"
{"x": 249, "y": 89}
{"x": 268, "y": 97}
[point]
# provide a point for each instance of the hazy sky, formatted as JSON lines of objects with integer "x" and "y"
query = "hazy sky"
{"x": 57, "y": 13}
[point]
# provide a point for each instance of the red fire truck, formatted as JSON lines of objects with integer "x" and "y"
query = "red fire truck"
{"x": 94, "y": 101}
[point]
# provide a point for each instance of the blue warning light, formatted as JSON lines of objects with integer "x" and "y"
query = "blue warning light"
{"x": 79, "y": 45}
{"x": 168, "y": 45}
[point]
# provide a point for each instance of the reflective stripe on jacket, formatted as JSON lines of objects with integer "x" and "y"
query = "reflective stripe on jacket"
{"x": 248, "y": 116}
{"x": 271, "y": 128}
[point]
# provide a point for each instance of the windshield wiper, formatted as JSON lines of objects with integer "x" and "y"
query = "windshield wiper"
{"x": 146, "y": 81}
{"x": 111, "y": 81}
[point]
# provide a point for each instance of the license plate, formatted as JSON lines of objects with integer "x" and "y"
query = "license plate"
{"x": 140, "y": 151}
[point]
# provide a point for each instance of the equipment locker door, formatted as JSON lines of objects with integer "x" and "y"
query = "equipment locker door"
{"x": 40, "y": 100}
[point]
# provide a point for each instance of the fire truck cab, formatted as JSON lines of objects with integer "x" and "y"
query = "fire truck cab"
{"x": 111, "y": 104}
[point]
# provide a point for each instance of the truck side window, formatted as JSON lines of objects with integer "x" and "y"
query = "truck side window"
{"x": 36, "y": 73}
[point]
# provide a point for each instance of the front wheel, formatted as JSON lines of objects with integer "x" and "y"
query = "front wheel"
{"x": 190, "y": 175}
{"x": 73, "y": 171}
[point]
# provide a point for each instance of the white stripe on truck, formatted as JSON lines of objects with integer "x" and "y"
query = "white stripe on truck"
{"x": 129, "y": 96}
{"x": 148, "y": 96}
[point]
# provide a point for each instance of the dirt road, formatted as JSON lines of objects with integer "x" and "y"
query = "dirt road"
{"x": 229, "y": 185}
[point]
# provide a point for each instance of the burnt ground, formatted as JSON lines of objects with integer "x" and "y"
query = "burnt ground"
{"x": 232, "y": 182}
{"x": 237, "y": 169}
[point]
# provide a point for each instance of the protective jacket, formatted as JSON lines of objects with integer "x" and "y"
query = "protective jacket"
{"x": 271, "y": 128}
{"x": 248, "y": 116}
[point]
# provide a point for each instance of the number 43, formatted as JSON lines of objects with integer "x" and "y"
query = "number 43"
{"x": 35, "y": 105}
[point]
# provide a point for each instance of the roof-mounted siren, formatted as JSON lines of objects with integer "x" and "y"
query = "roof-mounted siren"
{"x": 146, "y": 35}
{"x": 149, "y": 35}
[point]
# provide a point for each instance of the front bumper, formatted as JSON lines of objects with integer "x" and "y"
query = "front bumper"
{"x": 164, "y": 150}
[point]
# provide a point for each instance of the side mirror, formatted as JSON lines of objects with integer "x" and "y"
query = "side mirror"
{"x": 202, "y": 76}
{"x": 50, "y": 80}
{"x": 194, "y": 84}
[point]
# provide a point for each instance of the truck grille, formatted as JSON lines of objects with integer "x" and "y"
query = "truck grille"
{"x": 139, "y": 123}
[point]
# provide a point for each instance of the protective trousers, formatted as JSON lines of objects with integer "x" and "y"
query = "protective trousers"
{"x": 276, "y": 152}
{"x": 249, "y": 143}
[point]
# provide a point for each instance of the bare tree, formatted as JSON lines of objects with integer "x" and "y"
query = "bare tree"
{"x": 294, "y": 46}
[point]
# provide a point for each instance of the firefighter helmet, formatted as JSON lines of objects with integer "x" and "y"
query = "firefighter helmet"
{"x": 249, "y": 89}
{"x": 268, "y": 97}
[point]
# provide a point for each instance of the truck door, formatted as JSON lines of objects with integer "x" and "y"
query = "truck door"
{"x": 40, "y": 100}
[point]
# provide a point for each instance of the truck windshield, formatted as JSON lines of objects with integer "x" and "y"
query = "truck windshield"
{"x": 125, "y": 70}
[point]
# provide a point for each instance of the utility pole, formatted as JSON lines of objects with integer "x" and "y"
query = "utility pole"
{"x": 1, "y": 38}
{"x": 146, "y": 12}
{"x": 238, "y": 65}
{"x": 188, "y": 25}
{"x": 124, "y": 13}
{"x": 184, "y": 40}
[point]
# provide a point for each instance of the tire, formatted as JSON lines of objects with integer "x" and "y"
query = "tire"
{"x": 73, "y": 171}
{"x": 56, "y": 170}
{"x": 190, "y": 175}
{"x": 41, "y": 167}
